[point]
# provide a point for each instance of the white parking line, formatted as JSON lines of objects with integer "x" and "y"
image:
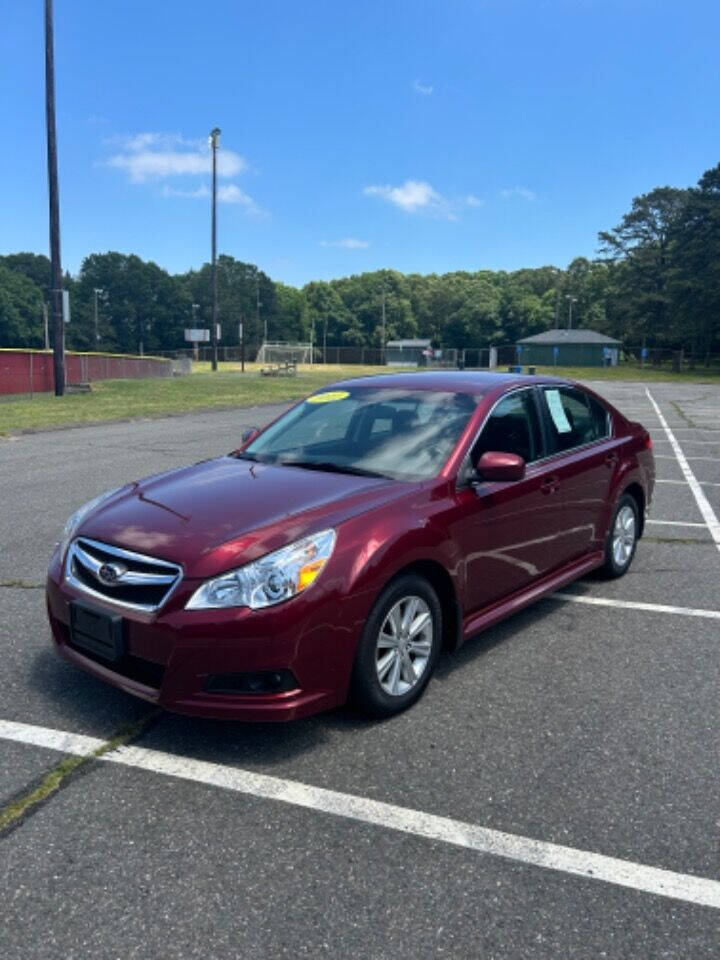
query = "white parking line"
{"x": 708, "y": 514}
{"x": 667, "y": 456}
{"x": 703, "y": 483}
{"x": 676, "y": 523}
{"x": 634, "y": 605}
{"x": 714, "y": 443}
{"x": 551, "y": 856}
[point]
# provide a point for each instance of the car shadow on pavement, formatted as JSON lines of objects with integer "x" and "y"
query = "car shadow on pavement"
{"x": 483, "y": 643}
{"x": 81, "y": 700}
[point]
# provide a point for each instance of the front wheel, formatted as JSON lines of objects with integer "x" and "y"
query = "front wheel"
{"x": 622, "y": 538}
{"x": 399, "y": 647}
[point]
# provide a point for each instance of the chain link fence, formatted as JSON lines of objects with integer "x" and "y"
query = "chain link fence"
{"x": 467, "y": 358}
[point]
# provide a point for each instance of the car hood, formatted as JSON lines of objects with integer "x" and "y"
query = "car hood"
{"x": 225, "y": 512}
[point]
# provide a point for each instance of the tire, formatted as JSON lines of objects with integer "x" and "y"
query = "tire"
{"x": 381, "y": 683}
{"x": 622, "y": 538}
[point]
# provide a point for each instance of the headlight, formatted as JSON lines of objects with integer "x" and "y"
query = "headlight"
{"x": 269, "y": 580}
{"x": 77, "y": 518}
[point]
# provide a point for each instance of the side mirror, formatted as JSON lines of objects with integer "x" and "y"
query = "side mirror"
{"x": 495, "y": 465}
{"x": 245, "y": 438}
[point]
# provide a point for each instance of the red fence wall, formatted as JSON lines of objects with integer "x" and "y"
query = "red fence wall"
{"x": 31, "y": 371}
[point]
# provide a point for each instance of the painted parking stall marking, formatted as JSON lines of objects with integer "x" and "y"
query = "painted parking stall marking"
{"x": 703, "y": 483}
{"x": 708, "y": 514}
{"x": 667, "y": 456}
{"x": 564, "y": 597}
{"x": 550, "y": 856}
{"x": 676, "y": 523}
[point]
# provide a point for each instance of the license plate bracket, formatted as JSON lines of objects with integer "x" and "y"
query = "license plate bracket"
{"x": 97, "y": 631}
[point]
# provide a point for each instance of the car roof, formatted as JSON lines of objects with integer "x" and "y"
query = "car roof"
{"x": 455, "y": 381}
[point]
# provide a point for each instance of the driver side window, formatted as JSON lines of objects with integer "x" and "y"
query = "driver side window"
{"x": 512, "y": 427}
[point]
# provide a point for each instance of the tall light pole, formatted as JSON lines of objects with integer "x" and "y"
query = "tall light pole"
{"x": 96, "y": 291}
{"x": 571, "y": 301}
{"x": 55, "y": 265}
{"x": 214, "y": 138}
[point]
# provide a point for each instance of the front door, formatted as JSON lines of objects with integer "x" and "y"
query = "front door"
{"x": 508, "y": 531}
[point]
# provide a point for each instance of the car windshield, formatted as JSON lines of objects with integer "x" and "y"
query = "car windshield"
{"x": 398, "y": 433}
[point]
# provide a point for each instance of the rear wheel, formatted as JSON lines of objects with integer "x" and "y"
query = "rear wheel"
{"x": 622, "y": 538}
{"x": 399, "y": 647}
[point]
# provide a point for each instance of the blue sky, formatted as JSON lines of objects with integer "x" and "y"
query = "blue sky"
{"x": 420, "y": 136}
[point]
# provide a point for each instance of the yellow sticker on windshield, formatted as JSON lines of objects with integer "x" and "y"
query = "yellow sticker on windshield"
{"x": 328, "y": 397}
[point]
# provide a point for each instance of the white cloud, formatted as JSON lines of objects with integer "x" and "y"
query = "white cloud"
{"x": 163, "y": 157}
{"x": 347, "y": 243}
{"x": 227, "y": 193}
{"x": 522, "y": 192}
{"x": 414, "y": 196}
{"x": 423, "y": 88}
{"x": 156, "y": 156}
{"x": 472, "y": 201}
{"x": 231, "y": 193}
{"x": 202, "y": 191}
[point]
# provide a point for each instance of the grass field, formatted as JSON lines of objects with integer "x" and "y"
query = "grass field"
{"x": 127, "y": 399}
{"x": 120, "y": 399}
{"x": 632, "y": 372}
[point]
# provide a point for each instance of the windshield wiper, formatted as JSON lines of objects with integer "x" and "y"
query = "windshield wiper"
{"x": 329, "y": 467}
{"x": 251, "y": 456}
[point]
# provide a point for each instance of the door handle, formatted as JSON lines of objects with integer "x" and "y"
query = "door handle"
{"x": 611, "y": 460}
{"x": 550, "y": 484}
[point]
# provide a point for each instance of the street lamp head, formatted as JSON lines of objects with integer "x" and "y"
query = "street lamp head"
{"x": 214, "y": 137}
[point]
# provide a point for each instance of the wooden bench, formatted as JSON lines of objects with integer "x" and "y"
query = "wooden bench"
{"x": 287, "y": 369}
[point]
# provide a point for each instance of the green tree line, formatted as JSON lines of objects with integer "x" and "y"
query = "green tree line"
{"x": 655, "y": 282}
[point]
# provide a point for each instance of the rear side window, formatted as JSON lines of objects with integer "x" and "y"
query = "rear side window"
{"x": 600, "y": 416}
{"x": 512, "y": 427}
{"x": 572, "y": 421}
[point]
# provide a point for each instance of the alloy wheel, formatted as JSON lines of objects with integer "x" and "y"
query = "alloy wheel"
{"x": 404, "y": 645}
{"x": 623, "y": 535}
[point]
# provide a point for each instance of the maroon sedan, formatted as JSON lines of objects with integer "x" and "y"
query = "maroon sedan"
{"x": 344, "y": 545}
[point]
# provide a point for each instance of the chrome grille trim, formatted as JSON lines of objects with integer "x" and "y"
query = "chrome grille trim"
{"x": 83, "y": 552}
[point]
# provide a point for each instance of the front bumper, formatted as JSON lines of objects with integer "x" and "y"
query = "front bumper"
{"x": 170, "y": 657}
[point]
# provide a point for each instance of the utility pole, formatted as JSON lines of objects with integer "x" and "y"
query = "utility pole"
{"x": 96, "y": 291}
{"x": 557, "y": 298}
{"x": 242, "y": 343}
{"x": 196, "y": 348}
{"x": 382, "y": 353}
{"x": 45, "y": 322}
{"x": 258, "y": 305}
{"x": 214, "y": 137}
{"x": 55, "y": 265}
{"x": 571, "y": 301}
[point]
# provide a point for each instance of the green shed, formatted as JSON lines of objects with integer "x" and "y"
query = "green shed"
{"x": 569, "y": 348}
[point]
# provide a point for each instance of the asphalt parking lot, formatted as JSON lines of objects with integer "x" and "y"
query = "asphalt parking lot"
{"x": 554, "y": 793}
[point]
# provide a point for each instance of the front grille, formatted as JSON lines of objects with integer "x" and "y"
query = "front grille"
{"x": 127, "y": 578}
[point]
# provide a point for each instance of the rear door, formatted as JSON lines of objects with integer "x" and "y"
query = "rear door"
{"x": 584, "y": 456}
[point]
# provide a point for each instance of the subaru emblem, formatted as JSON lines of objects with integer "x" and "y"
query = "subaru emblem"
{"x": 110, "y": 573}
